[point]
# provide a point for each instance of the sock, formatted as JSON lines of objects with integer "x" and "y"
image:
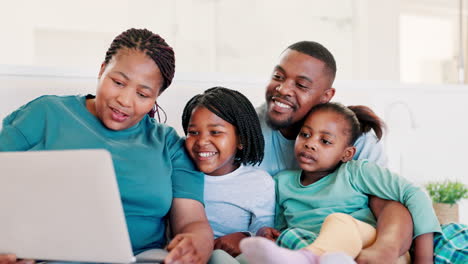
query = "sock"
{"x": 259, "y": 250}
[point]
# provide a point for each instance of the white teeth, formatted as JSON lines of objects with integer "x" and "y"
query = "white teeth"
{"x": 206, "y": 154}
{"x": 282, "y": 105}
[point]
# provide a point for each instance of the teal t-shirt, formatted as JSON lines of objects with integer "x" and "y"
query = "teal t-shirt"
{"x": 346, "y": 191}
{"x": 150, "y": 161}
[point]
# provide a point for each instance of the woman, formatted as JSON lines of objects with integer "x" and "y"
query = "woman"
{"x": 155, "y": 176}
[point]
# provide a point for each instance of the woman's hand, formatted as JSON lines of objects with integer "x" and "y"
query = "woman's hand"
{"x": 11, "y": 259}
{"x": 230, "y": 243}
{"x": 182, "y": 250}
{"x": 269, "y": 233}
{"x": 193, "y": 242}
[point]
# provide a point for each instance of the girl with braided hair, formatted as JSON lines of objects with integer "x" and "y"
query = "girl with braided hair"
{"x": 157, "y": 180}
{"x": 225, "y": 141}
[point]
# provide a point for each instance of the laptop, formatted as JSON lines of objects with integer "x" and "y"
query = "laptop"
{"x": 64, "y": 206}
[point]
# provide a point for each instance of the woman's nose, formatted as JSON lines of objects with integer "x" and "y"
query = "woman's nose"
{"x": 125, "y": 97}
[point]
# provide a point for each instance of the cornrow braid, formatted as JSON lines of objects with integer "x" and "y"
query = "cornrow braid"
{"x": 152, "y": 44}
{"x": 360, "y": 118}
{"x": 234, "y": 108}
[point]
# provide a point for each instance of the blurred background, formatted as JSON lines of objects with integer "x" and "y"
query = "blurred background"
{"x": 405, "y": 59}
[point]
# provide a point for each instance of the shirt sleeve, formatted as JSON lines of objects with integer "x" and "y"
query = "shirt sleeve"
{"x": 263, "y": 212}
{"x": 23, "y": 128}
{"x": 372, "y": 179}
{"x": 187, "y": 182}
{"x": 369, "y": 147}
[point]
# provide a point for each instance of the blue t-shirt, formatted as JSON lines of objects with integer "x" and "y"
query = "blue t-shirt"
{"x": 150, "y": 161}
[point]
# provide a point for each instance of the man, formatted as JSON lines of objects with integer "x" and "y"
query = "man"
{"x": 302, "y": 79}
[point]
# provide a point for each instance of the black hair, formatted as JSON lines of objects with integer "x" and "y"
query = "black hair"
{"x": 152, "y": 44}
{"x": 234, "y": 108}
{"x": 360, "y": 118}
{"x": 318, "y": 51}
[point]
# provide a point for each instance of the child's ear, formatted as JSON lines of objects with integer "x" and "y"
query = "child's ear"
{"x": 348, "y": 154}
{"x": 240, "y": 146}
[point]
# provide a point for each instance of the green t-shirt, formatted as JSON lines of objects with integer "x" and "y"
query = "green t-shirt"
{"x": 150, "y": 161}
{"x": 345, "y": 191}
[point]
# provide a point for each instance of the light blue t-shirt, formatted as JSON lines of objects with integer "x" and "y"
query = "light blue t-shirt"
{"x": 150, "y": 161}
{"x": 242, "y": 200}
{"x": 346, "y": 191}
{"x": 279, "y": 151}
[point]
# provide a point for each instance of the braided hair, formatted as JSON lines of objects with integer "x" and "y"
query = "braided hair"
{"x": 234, "y": 108}
{"x": 361, "y": 119}
{"x": 152, "y": 45}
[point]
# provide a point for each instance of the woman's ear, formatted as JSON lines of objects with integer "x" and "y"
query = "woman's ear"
{"x": 348, "y": 154}
{"x": 101, "y": 71}
{"x": 240, "y": 146}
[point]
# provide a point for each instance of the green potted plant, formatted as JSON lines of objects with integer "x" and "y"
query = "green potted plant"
{"x": 445, "y": 196}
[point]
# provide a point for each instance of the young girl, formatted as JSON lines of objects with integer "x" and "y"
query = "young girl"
{"x": 223, "y": 138}
{"x": 330, "y": 194}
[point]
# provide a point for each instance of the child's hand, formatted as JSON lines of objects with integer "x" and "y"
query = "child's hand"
{"x": 269, "y": 233}
{"x": 230, "y": 243}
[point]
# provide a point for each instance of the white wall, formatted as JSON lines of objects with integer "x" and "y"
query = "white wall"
{"x": 240, "y": 37}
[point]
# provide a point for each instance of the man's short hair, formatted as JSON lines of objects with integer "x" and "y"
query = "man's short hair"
{"x": 318, "y": 51}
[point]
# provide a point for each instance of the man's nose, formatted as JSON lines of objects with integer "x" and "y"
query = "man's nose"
{"x": 285, "y": 88}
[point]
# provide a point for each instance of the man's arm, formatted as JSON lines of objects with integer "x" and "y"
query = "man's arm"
{"x": 424, "y": 249}
{"x": 394, "y": 232}
{"x": 193, "y": 241}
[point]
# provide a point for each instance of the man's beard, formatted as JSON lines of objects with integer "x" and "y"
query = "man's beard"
{"x": 277, "y": 125}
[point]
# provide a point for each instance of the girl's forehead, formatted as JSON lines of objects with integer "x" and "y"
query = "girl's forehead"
{"x": 328, "y": 120}
{"x": 325, "y": 115}
{"x": 203, "y": 112}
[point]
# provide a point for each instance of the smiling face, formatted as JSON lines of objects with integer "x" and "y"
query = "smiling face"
{"x": 212, "y": 142}
{"x": 127, "y": 89}
{"x": 298, "y": 83}
{"x": 323, "y": 143}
